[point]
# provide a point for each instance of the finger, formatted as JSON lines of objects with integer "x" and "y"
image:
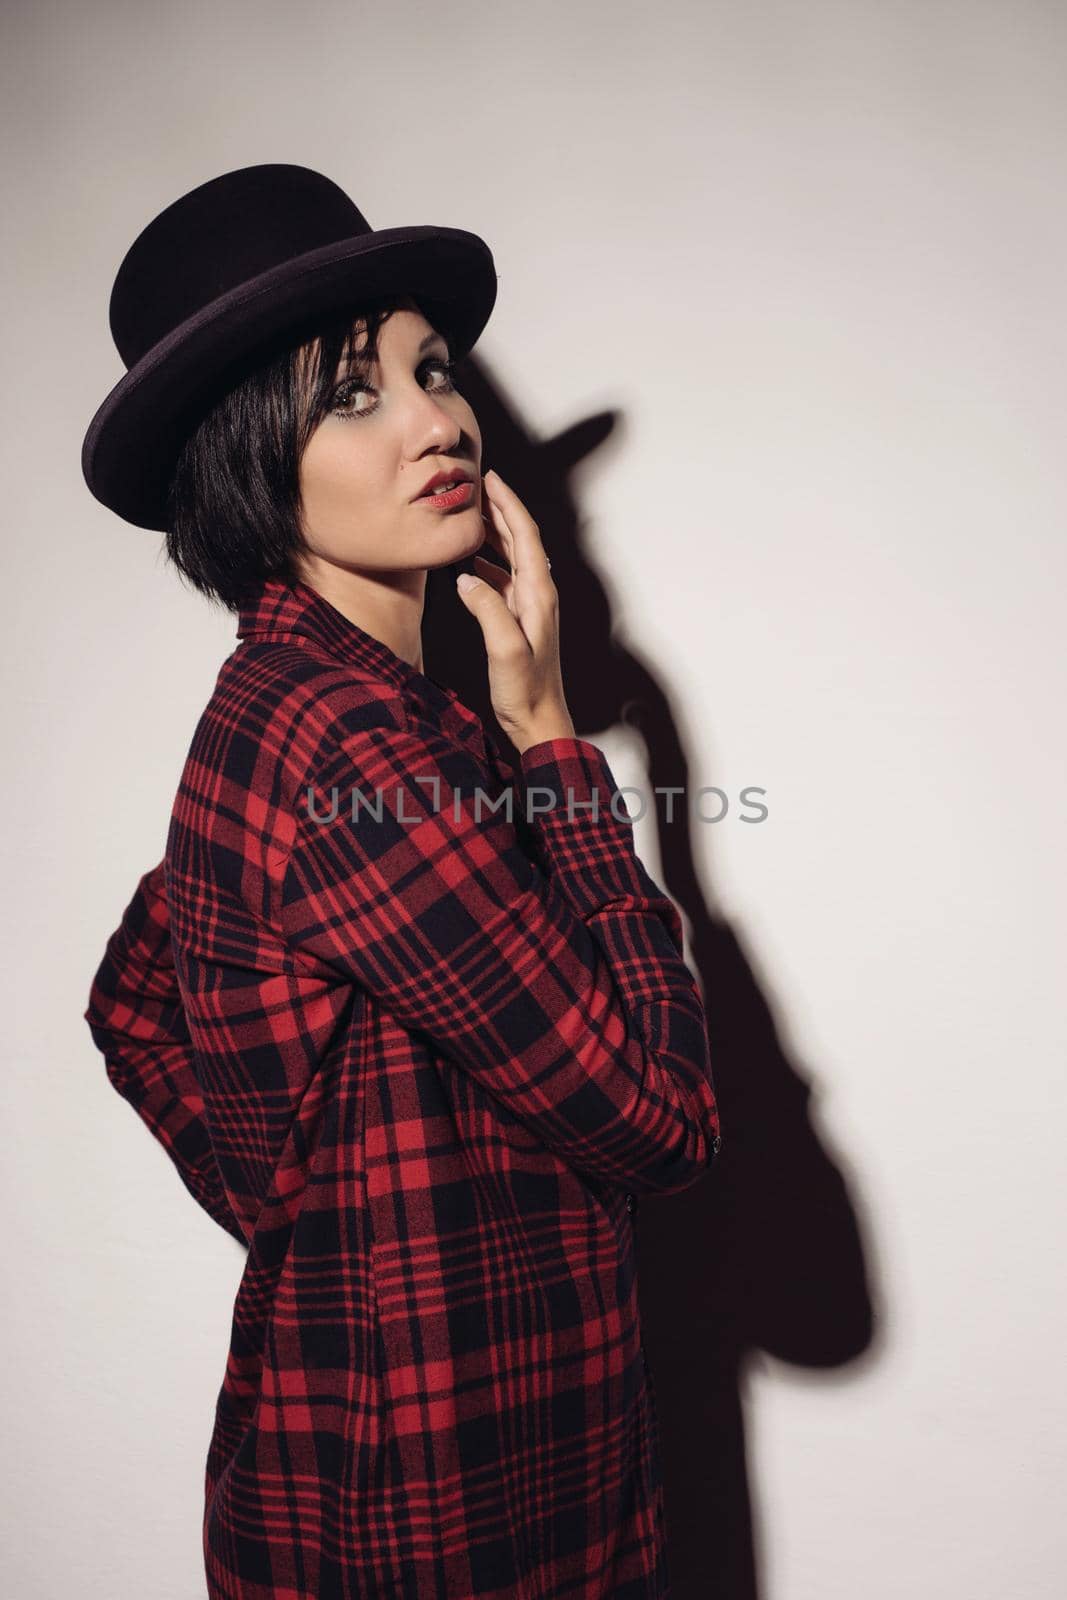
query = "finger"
{"x": 498, "y": 532}
{"x": 493, "y": 573}
{"x": 500, "y": 630}
{"x": 527, "y": 552}
{"x": 494, "y": 538}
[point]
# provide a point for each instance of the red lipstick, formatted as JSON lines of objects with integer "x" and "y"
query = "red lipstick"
{"x": 460, "y": 494}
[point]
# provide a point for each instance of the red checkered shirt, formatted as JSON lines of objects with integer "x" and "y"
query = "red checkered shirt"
{"x": 420, "y": 1057}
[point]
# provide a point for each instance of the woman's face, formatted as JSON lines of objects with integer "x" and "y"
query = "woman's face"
{"x": 389, "y": 430}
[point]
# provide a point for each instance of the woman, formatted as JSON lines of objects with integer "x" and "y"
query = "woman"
{"x": 416, "y": 1028}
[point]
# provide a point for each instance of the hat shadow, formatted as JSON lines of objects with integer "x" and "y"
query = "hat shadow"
{"x": 765, "y": 1255}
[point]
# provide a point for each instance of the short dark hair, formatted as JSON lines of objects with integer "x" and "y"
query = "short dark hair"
{"x": 233, "y": 507}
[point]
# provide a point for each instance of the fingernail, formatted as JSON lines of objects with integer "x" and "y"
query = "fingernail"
{"x": 465, "y": 581}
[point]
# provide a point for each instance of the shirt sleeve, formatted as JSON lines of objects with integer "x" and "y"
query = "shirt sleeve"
{"x": 137, "y": 1021}
{"x": 565, "y": 992}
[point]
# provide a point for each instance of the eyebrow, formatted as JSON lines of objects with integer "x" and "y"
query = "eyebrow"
{"x": 358, "y": 359}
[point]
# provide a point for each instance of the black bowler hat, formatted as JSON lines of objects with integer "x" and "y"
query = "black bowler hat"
{"x": 226, "y": 272}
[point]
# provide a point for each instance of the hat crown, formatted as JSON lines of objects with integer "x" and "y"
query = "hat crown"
{"x": 218, "y": 236}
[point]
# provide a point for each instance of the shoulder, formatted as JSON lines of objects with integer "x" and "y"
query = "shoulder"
{"x": 291, "y": 708}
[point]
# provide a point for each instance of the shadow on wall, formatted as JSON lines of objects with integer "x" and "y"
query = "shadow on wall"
{"x": 765, "y": 1254}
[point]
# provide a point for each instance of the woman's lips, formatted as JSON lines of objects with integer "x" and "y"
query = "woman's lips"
{"x": 459, "y": 494}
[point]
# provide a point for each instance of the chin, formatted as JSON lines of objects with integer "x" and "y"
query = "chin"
{"x": 463, "y": 535}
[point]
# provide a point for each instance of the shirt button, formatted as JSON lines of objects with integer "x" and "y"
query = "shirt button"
{"x": 716, "y": 1142}
{"x": 631, "y": 1202}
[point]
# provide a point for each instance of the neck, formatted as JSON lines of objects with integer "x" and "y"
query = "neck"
{"x": 387, "y": 605}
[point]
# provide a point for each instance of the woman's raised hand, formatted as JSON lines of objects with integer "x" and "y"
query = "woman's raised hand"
{"x": 518, "y": 611}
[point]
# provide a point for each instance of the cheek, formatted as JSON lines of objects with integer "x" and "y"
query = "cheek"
{"x": 470, "y": 425}
{"x": 334, "y": 472}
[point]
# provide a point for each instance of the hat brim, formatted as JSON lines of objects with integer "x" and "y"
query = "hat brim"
{"x": 133, "y": 441}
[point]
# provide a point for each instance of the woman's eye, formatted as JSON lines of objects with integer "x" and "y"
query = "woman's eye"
{"x": 346, "y": 392}
{"x": 449, "y": 370}
{"x": 352, "y": 387}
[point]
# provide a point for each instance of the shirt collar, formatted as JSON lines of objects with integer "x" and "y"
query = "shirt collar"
{"x": 279, "y": 610}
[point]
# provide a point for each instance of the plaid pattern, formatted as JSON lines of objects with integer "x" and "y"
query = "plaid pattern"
{"x": 421, "y": 1059}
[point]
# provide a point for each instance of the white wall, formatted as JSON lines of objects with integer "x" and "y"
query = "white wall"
{"x": 816, "y": 254}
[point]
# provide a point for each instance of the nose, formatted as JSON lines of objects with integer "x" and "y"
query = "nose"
{"x": 434, "y": 425}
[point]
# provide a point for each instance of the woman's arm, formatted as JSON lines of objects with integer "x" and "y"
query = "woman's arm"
{"x": 137, "y": 1021}
{"x": 567, "y": 994}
